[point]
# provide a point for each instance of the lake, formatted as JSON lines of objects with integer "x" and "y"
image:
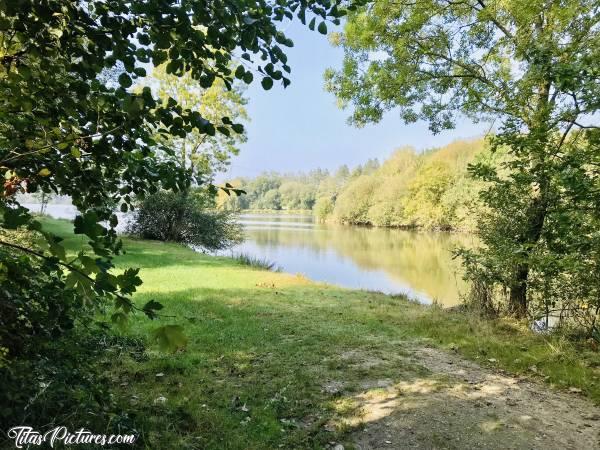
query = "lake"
{"x": 418, "y": 264}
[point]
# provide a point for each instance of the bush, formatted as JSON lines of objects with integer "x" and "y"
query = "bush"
{"x": 37, "y": 306}
{"x": 256, "y": 262}
{"x": 50, "y": 347}
{"x": 66, "y": 384}
{"x": 185, "y": 218}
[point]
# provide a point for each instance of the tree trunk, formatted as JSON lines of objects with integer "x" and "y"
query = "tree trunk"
{"x": 518, "y": 293}
{"x": 536, "y": 213}
{"x": 536, "y": 216}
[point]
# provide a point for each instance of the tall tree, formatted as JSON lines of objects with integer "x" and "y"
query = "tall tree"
{"x": 199, "y": 153}
{"x": 529, "y": 67}
{"x": 65, "y": 129}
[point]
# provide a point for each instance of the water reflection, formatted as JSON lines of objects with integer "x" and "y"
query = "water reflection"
{"x": 392, "y": 261}
{"x": 419, "y": 264}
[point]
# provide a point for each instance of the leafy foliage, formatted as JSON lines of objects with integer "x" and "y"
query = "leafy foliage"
{"x": 200, "y": 153}
{"x": 66, "y": 385}
{"x": 77, "y": 121}
{"x": 274, "y": 191}
{"x": 34, "y": 309}
{"x": 185, "y": 218}
{"x": 530, "y": 69}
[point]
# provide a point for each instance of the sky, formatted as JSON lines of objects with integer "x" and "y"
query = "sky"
{"x": 300, "y": 128}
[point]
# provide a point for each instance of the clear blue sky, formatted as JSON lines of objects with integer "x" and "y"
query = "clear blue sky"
{"x": 300, "y": 128}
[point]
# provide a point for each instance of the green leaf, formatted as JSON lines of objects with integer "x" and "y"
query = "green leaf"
{"x": 150, "y": 309}
{"x": 224, "y": 130}
{"x": 322, "y": 28}
{"x": 113, "y": 221}
{"x": 267, "y": 83}
{"x": 88, "y": 224}
{"x": 125, "y": 80}
{"x": 119, "y": 319}
{"x": 15, "y": 217}
{"x": 302, "y": 15}
{"x": 89, "y": 264}
{"x": 57, "y": 250}
{"x": 129, "y": 280}
{"x": 170, "y": 337}
{"x": 143, "y": 39}
{"x": 248, "y": 77}
{"x": 82, "y": 284}
{"x": 239, "y": 72}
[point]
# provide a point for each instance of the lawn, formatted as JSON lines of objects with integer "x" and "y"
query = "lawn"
{"x": 272, "y": 356}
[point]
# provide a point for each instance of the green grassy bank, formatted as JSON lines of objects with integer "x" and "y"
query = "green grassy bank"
{"x": 273, "y": 359}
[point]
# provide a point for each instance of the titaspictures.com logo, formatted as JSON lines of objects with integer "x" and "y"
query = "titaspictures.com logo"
{"x": 24, "y": 436}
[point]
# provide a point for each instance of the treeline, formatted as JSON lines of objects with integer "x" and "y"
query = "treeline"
{"x": 430, "y": 189}
{"x": 300, "y": 191}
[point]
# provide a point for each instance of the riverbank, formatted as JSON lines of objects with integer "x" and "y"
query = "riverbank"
{"x": 277, "y": 361}
{"x": 333, "y": 221}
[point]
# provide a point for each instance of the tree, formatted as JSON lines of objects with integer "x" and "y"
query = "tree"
{"x": 323, "y": 208}
{"x": 200, "y": 153}
{"x": 530, "y": 68}
{"x": 343, "y": 172}
{"x": 184, "y": 217}
{"x": 66, "y": 128}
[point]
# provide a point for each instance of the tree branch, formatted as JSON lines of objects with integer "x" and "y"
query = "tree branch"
{"x": 40, "y": 149}
{"x": 75, "y": 269}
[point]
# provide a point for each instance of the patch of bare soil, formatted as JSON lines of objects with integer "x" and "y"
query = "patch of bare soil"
{"x": 460, "y": 405}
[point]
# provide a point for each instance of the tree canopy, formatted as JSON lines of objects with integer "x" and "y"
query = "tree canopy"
{"x": 67, "y": 128}
{"x": 529, "y": 68}
{"x": 200, "y": 154}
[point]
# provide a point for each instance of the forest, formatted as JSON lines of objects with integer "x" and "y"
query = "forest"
{"x": 432, "y": 189}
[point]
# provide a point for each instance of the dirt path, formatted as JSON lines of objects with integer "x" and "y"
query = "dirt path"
{"x": 460, "y": 405}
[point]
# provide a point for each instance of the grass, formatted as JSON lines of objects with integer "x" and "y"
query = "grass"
{"x": 257, "y": 263}
{"x": 265, "y": 349}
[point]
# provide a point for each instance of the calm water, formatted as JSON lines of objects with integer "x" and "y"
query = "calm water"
{"x": 392, "y": 261}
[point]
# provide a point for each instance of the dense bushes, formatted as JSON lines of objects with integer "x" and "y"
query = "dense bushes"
{"x": 563, "y": 280}
{"x": 185, "y": 217}
{"x": 37, "y": 306}
{"x": 50, "y": 344}
{"x": 65, "y": 384}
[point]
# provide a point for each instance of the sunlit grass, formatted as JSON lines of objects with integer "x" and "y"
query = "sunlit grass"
{"x": 264, "y": 346}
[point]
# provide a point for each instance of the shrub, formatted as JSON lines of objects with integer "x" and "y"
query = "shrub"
{"x": 256, "y": 262}
{"x": 49, "y": 345}
{"x": 37, "y": 306}
{"x": 66, "y": 384}
{"x": 185, "y": 218}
